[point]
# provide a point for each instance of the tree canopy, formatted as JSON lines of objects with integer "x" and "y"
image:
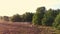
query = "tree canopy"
{"x": 56, "y": 23}
{"x": 16, "y": 18}
{"x": 38, "y": 16}
{"x": 27, "y": 17}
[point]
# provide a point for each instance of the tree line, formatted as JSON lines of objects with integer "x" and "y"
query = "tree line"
{"x": 45, "y": 17}
{"x": 42, "y": 16}
{"x": 26, "y": 17}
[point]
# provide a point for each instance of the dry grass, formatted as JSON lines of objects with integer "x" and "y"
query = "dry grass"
{"x": 24, "y": 28}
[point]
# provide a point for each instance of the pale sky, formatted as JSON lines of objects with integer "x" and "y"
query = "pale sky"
{"x": 11, "y": 7}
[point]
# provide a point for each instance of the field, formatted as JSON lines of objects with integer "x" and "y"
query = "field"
{"x": 24, "y": 28}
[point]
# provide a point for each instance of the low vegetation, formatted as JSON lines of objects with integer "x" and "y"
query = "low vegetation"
{"x": 25, "y": 28}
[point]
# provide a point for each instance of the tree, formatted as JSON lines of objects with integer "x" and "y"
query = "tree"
{"x": 16, "y": 18}
{"x": 38, "y": 16}
{"x": 49, "y": 17}
{"x": 5, "y": 18}
{"x": 56, "y": 23}
{"x": 27, "y": 17}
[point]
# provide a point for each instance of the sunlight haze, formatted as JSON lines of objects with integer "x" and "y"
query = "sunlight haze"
{"x": 11, "y": 7}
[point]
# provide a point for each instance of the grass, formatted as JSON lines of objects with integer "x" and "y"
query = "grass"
{"x": 20, "y": 28}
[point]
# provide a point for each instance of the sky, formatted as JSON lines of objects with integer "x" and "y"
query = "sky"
{"x": 11, "y": 7}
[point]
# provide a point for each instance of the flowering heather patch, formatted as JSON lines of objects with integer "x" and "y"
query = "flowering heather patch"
{"x": 24, "y": 28}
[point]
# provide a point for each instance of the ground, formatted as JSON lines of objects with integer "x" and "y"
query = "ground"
{"x": 24, "y": 28}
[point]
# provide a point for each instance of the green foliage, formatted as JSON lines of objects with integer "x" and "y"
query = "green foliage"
{"x": 49, "y": 17}
{"x": 56, "y": 23}
{"x": 16, "y": 18}
{"x": 38, "y": 16}
{"x": 27, "y": 17}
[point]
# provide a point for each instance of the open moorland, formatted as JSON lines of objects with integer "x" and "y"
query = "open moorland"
{"x": 24, "y": 28}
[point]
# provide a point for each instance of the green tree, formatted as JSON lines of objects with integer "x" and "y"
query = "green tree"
{"x": 38, "y": 16}
{"x": 49, "y": 17}
{"x": 56, "y": 23}
{"x": 27, "y": 17}
{"x": 16, "y": 18}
